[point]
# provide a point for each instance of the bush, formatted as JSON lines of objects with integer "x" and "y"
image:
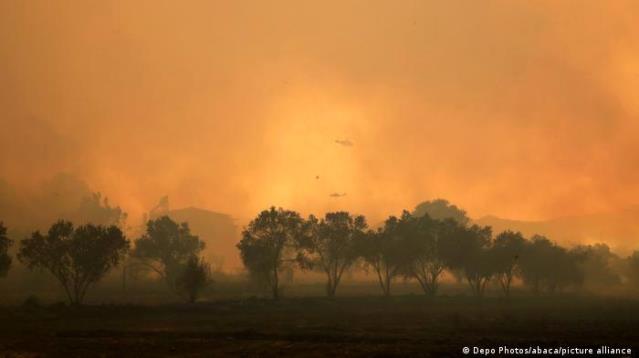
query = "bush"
{"x": 194, "y": 278}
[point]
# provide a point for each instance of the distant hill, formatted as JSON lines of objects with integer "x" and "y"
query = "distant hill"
{"x": 217, "y": 230}
{"x": 619, "y": 229}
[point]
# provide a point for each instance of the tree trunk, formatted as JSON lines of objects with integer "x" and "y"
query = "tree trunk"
{"x": 476, "y": 285}
{"x": 507, "y": 287}
{"x": 428, "y": 288}
{"x": 67, "y": 291}
{"x": 505, "y": 281}
{"x": 484, "y": 281}
{"x": 276, "y": 288}
{"x": 124, "y": 277}
{"x": 330, "y": 289}
{"x": 387, "y": 288}
{"x": 431, "y": 289}
{"x": 431, "y": 284}
{"x": 76, "y": 298}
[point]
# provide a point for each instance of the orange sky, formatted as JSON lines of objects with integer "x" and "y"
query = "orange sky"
{"x": 522, "y": 109}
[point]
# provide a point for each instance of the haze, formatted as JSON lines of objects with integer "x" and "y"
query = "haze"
{"x": 526, "y": 110}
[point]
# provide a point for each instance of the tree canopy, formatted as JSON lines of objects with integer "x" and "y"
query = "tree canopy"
{"x": 5, "y": 243}
{"x": 166, "y": 247}
{"x": 633, "y": 268}
{"x": 77, "y": 257}
{"x": 385, "y": 250}
{"x": 466, "y": 252}
{"x": 267, "y": 245}
{"x": 424, "y": 238}
{"x": 507, "y": 250}
{"x": 330, "y": 244}
{"x": 548, "y": 267}
{"x": 441, "y": 209}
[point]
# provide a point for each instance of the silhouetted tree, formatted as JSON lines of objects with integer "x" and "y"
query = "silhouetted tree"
{"x": 267, "y": 245}
{"x": 441, "y": 209}
{"x": 568, "y": 272}
{"x": 467, "y": 252}
{"x": 534, "y": 265}
{"x": 546, "y": 266}
{"x": 596, "y": 264}
{"x": 423, "y": 237}
{"x": 77, "y": 257}
{"x": 330, "y": 245}
{"x": 633, "y": 269}
{"x": 5, "y": 243}
{"x": 166, "y": 247}
{"x": 385, "y": 250}
{"x": 96, "y": 209}
{"x": 506, "y": 251}
{"x": 194, "y": 278}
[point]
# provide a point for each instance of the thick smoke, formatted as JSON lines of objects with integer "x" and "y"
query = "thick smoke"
{"x": 524, "y": 110}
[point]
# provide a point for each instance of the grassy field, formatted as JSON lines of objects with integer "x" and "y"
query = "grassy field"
{"x": 407, "y": 325}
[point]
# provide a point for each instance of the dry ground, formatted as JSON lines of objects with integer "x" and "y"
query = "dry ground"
{"x": 408, "y": 325}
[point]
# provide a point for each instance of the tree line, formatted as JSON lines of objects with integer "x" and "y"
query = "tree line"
{"x": 422, "y": 245}
{"x": 80, "y": 256}
{"x": 436, "y": 237}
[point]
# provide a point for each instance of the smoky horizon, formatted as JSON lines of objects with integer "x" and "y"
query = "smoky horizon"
{"x": 521, "y": 110}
